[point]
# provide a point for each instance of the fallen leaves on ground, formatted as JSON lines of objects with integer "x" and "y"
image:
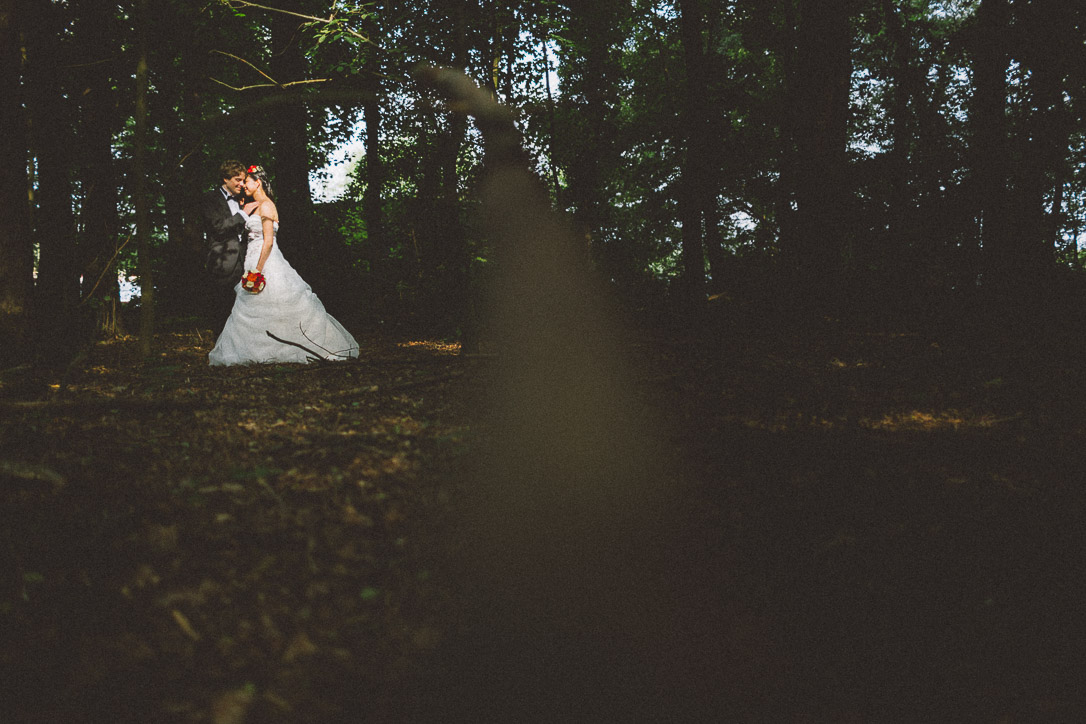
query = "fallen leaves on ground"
{"x": 191, "y": 543}
{"x": 873, "y": 527}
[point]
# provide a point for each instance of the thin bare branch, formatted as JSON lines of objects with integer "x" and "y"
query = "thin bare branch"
{"x": 340, "y": 355}
{"x": 235, "y": 4}
{"x": 88, "y": 64}
{"x": 269, "y": 85}
{"x": 195, "y": 148}
{"x": 105, "y": 270}
{"x": 315, "y": 355}
{"x": 251, "y": 65}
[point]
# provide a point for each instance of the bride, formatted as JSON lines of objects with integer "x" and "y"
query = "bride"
{"x": 286, "y": 307}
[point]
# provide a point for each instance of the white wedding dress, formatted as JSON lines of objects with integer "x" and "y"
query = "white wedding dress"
{"x": 287, "y": 308}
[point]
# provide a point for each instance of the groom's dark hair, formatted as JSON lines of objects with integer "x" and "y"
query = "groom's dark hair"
{"x": 230, "y": 168}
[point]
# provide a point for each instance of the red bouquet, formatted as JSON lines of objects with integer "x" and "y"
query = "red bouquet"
{"x": 253, "y": 282}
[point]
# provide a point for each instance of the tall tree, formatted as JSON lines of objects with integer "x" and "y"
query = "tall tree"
{"x": 290, "y": 126}
{"x": 372, "y": 208}
{"x": 168, "y": 110}
{"x": 441, "y": 240}
{"x": 1046, "y": 43}
{"x": 695, "y": 193}
{"x": 591, "y": 74}
{"x": 139, "y": 186}
{"x": 99, "y": 177}
{"x": 51, "y": 126}
{"x": 823, "y": 194}
{"x": 989, "y": 148}
{"x": 944, "y": 224}
{"x": 16, "y": 247}
{"x": 902, "y": 80}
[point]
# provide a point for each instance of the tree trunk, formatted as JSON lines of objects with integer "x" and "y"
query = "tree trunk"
{"x": 822, "y": 192}
{"x": 1044, "y": 164}
{"x": 990, "y": 61}
{"x": 442, "y": 242}
{"x": 372, "y": 208}
{"x": 1042, "y": 154}
{"x": 290, "y": 129}
{"x": 898, "y": 201}
{"x": 193, "y": 60}
{"x": 99, "y": 218}
{"x": 1053, "y": 230}
{"x": 704, "y": 164}
{"x": 16, "y": 247}
{"x": 1076, "y": 259}
{"x": 174, "y": 292}
{"x": 51, "y": 127}
{"x": 943, "y": 212}
{"x": 552, "y": 161}
{"x": 590, "y": 153}
{"x": 695, "y": 173}
{"x": 506, "y": 31}
{"x": 788, "y": 162}
{"x": 138, "y": 183}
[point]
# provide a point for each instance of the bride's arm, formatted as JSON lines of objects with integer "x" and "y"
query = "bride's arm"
{"x": 267, "y": 222}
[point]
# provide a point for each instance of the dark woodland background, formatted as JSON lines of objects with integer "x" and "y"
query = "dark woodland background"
{"x": 906, "y": 162}
{"x": 779, "y": 418}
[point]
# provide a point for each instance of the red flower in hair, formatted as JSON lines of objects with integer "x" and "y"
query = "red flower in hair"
{"x": 253, "y": 169}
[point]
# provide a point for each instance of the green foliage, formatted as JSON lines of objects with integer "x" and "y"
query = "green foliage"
{"x": 600, "y": 96}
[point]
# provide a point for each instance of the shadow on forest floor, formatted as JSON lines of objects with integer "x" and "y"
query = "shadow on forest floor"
{"x": 865, "y": 527}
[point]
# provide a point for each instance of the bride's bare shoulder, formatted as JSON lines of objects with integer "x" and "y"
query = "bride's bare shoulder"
{"x": 268, "y": 211}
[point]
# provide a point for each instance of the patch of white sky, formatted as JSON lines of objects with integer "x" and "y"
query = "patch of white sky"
{"x": 331, "y": 182}
{"x": 954, "y": 9}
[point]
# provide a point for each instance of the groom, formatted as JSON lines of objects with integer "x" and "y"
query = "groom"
{"x": 224, "y": 228}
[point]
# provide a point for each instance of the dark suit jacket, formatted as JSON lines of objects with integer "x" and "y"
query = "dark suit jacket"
{"x": 226, "y": 238}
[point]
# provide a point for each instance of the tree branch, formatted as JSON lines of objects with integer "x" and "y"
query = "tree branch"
{"x": 105, "y": 270}
{"x": 332, "y": 97}
{"x": 273, "y": 84}
{"x": 330, "y": 20}
{"x": 315, "y": 355}
{"x": 328, "y": 351}
{"x": 248, "y": 63}
{"x": 269, "y": 85}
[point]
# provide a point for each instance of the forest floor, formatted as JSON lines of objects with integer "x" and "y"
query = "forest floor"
{"x": 876, "y": 526}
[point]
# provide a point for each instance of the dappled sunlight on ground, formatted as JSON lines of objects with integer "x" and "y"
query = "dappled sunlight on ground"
{"x": 917, "y": 420}
{"x": 432, "y": 346}
{"x": 905, "y": 421}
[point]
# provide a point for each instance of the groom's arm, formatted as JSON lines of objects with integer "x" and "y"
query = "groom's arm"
{"x": 217, "y": 218}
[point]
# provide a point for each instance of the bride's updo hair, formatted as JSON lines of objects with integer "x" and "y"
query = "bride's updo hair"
{"x": 261, "y": 175}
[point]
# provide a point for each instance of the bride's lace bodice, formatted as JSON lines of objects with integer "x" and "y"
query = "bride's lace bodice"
{"x": 255, "y": 226}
